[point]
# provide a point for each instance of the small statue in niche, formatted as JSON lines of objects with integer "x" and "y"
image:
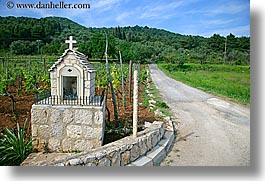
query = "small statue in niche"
{"x": 74, "y": 88}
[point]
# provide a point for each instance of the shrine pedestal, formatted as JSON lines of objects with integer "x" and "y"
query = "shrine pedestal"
{"x": 68, "y": 128}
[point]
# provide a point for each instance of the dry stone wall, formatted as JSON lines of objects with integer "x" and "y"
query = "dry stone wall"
{"x": 119, "y": 153}
{"x": 67, "y": 128}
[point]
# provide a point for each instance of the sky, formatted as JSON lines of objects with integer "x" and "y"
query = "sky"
{"x": 187, "y": 17}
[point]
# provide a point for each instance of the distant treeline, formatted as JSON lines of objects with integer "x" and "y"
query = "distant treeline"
{"x": 47, "y": 35}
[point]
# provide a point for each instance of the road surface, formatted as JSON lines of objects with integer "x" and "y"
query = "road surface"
{"x": 211, "y": 131}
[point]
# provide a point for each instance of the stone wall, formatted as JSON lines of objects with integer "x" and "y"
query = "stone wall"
{"x": 119, "y": 153}
{"x": 68, "y": 128}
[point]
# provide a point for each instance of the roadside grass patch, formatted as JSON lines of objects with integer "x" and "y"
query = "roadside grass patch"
{"x": 159, "y": 103}
{"x": 228, "y": 81}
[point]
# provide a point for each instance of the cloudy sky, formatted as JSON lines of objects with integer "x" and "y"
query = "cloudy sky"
{"x": 189, "y": 17}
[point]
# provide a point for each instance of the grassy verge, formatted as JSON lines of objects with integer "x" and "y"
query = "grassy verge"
{"x": 155, "y": 101}
{"x": 228, "y": 81}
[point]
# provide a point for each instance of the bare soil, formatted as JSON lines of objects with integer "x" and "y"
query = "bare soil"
{"x": 24, "y": 102}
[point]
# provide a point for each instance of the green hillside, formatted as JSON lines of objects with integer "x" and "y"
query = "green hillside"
{"x": 24, "y": 35}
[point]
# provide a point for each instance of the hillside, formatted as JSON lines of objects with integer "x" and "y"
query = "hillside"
{"x": 22, "y": 35}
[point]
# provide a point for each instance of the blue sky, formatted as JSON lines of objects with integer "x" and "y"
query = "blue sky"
{"x": 188, "y": 17}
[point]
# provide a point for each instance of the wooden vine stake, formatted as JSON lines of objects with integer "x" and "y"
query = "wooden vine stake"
{"x": 135, "y": 102}
{"x": 130, "y": 80}
{"x": 122, "y": 83}
{"x": 110, "y": 82}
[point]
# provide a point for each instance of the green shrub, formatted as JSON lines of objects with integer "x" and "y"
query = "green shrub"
{"x": 162, "y": 104}
{"x": 15, "y": 147}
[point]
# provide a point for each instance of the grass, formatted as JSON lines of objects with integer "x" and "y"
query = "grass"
{"x": 160, "y": 104}
{"x": 228, "y": 81}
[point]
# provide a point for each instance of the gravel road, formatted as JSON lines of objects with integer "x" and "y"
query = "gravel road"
{"x": 211, "y": 131}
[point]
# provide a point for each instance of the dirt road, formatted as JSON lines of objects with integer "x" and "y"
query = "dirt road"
{"x": 211, "y": 131}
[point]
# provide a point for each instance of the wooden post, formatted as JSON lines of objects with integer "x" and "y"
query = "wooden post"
{"x": 45, "y": 67}
{"x": 110, "y": 82}
{"x": 130, "y": 80}
{"x": 135, "y": 102}
{"x": 122, "y": 83}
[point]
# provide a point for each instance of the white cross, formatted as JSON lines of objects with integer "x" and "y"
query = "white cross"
{"x": 71, "y": 42}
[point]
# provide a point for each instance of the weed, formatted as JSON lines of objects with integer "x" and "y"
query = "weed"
{"x": 15, "y": 147}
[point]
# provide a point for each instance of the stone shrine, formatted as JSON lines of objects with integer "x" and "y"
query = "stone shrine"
{"x": 72, "y": 76}
{"x": 71, "y": 117}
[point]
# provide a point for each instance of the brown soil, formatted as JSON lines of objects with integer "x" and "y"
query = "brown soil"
{"x": 126, "y": 113}
{"x": 25, "y": 100}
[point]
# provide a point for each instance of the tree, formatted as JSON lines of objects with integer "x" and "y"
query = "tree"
{"x": 23, "y": 47}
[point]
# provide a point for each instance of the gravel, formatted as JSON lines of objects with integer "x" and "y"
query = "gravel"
{"x": 210, "y": 131}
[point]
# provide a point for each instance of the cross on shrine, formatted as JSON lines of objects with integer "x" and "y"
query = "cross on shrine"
{"x": 71, "y": 42}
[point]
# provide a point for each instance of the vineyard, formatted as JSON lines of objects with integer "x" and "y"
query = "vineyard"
{"x": 23, "y": 77}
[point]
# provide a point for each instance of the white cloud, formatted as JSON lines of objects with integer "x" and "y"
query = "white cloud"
{"x": 159, "y": 10}
{"x": 218, "y": 22}
{"x": 104, "y": 5}
{"x": 123, "y": 16}
{"x": 228, "y": 8}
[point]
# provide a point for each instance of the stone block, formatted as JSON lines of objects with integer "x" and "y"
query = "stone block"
{"x": 98, "y": 118}
{"x": 157, "y": 154}
{"x": 104, "y": 162}
{"x": 35, "y": 142}
{"x": 89, "y": 159}
{"x": 34, "y": 129}
{"x": 39, "y": 116}
{"x": 135, "y": 152}
{"x": 54, "y": 144}
{"x": 149, "y": 142}
{"x": 75, "y": 162}
{"x": 143, "y": 146}
{"x": 115, "y": 158}
{"x": 125, "y": 158}
{"x": 167, "y": 140}
{"x": 79, "y": 145}
{"x": 66, "y": 144}
{"x": 87, "y": 132}
{"x": 55, "y": 116}
{"x": 74, "y": 131}
{"x": 56, "y": 130}
{"x": 82, "y": 145}
{"x": 143, "y": 161}
{"x": 43, "y": 131}
{"x": 83, "y": 116}
{"x": 67, "y": 116}
{"x": 154, "y": 140}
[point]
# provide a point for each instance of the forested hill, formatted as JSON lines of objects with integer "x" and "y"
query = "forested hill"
{"x": 24, "y": 35}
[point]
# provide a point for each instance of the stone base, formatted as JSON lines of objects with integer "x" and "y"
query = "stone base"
{"x": 67, "y": 128}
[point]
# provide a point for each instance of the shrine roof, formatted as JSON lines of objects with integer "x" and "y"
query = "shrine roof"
{"x": 79, "y": 56}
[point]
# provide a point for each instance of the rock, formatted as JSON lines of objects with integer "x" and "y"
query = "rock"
{"x": 75, "y": 162}
{"x": 158, "y": 113}
{"x": 147, "y": 124}
{"x": 74, "y": 131}
{"x": 135, "y": 152}
{"x": 152, "y": 101}
{"x": 125, "y": 158}
{"x": 98, "y": 118}
{"x": 83, "y": 116}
